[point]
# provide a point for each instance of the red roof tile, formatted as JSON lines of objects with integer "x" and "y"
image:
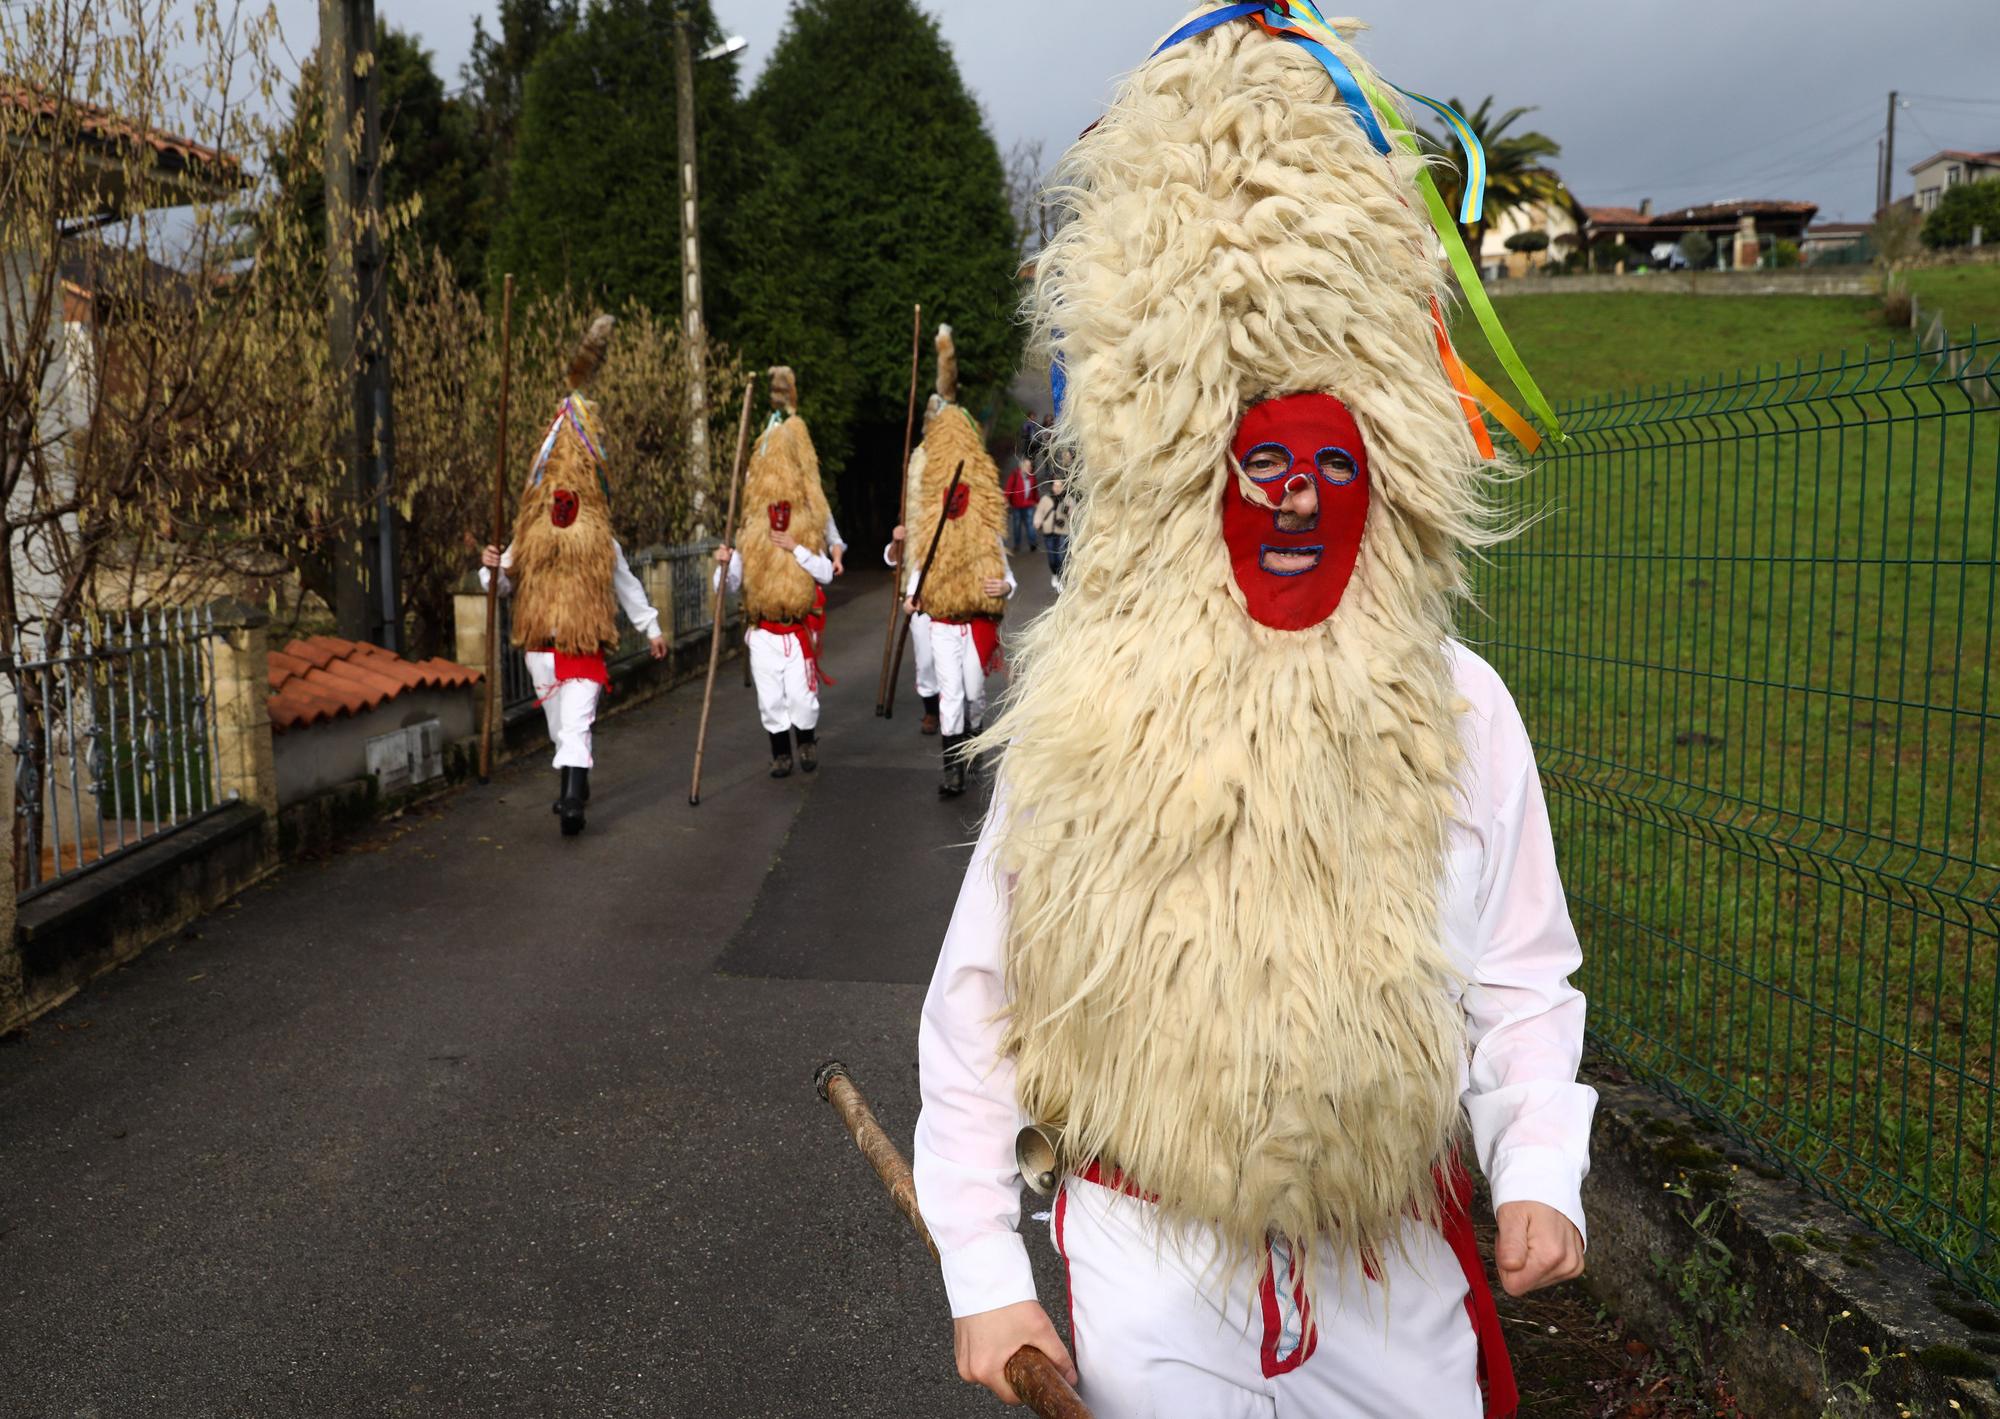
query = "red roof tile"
{"x": 324, "y": 677}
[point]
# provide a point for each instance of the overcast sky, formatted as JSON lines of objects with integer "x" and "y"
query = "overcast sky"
{"x": 1681, "y": 102}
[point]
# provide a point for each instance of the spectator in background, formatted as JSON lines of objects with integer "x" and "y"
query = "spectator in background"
{"x": 1052, "y": 521}
{"x": 1021, "y": 492}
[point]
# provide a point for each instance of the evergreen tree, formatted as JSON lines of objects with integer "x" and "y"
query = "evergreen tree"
{"x": 878, "y": 185}
{"x": 495, "y": 78}
{"x": 594, "y": 191}
{"x": 432, "y": 155}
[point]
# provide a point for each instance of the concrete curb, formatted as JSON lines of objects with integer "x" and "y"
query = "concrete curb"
{"x": 1805, "y": 1261}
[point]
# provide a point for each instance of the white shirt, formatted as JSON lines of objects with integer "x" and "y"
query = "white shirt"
{"x": 626, "y": 587}
{"x": 1504, "y": 920}
{"x": 818, "y": 566}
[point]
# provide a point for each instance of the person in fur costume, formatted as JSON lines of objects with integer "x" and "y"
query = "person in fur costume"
{"x": 966, "y": 592}
{"x": 1263, "y": 929}
{"x": 781, "y": 563}
{"x": 894, "y": 555}
{"x": 569, "y": 579}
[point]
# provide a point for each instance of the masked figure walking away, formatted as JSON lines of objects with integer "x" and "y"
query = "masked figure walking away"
{"x": 569, "y": 579}
{"x": 780, "y": 563}
{"x": 1263, "y": 930}
{"x": 965, "y": 594}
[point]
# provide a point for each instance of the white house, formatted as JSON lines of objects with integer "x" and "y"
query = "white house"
{"x": 1948, "y": 169}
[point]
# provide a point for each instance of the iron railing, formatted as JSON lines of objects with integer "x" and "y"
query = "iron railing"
{"x": 113, "y": 726}
{"x": 691, "y": 566}
{"x": 1752, "y": 629}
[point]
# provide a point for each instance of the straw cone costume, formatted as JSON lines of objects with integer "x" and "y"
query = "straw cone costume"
{"x": 783, "y": 591}
{"x": 920, "y": 624}
{"x": 968, "y": 524}
{"x": 1264, "y": 925}
{"x": 569, "y": 579}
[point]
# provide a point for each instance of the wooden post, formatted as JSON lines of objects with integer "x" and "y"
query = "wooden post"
{"x": 884, "y": 690}
{"x": 499, "y": 532}
{"x": 715, "y": 634}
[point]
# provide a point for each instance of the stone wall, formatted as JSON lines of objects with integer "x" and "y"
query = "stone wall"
{"x": 1859, "y": 281}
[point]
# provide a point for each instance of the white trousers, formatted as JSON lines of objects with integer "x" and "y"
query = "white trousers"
{"x": 1155, "y": 1340}
{"x": 920, "y": 644}
{"x": 571, "y": 709}
{"x": 786, "y": 698}
{"x": 961, "y": 679}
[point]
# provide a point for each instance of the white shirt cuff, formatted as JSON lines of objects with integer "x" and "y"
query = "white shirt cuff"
{"x": 991, "y": 1272}
{"x": 1546, "y": 1175}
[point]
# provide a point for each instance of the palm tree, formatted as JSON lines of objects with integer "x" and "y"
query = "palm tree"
{"x": 1515, "y": 176}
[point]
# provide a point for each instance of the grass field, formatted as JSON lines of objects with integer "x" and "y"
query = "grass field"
{"x": 1754, "y": 638}
{"x": 1967, "y": 295}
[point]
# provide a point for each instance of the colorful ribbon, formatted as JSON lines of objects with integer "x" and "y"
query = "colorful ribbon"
{"x": 1301, "y": 22}
{"x": 568, "y": 412}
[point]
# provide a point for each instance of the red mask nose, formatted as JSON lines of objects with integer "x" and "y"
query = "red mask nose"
{"x": 562, "y": 511}
{"x": 1292, "y": 556}
{"x": 780, "y": 515}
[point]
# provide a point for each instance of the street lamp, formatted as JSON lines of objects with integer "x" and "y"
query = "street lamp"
{"x": 691, "y": 252}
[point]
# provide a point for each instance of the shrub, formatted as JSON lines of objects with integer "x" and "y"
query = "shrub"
{"x": 1698, "y": 249}
{"x": 1532, "y": 240}
{"x": 1785, "y": 253}
{"x": 1974, "y": 204}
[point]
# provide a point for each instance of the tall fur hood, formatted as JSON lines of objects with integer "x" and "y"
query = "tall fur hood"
{"x": 563, "y": 573}
{"x": 1227, "y": 841}
{"x": 969, "y": 550}
{"x": 784, "y": 469}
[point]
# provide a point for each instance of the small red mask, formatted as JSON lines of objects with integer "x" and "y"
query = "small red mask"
{"x": 959, "y": 501}
{"x": 562, "y": 508}
{"x": 1294, "y": 558}
{"x": 780, "y": 515}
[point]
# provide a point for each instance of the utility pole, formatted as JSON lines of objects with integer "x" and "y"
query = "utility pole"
{"x": 1888, "y": 192}
{"x": 367, "y": 589}
{"x": 697, "y": 334}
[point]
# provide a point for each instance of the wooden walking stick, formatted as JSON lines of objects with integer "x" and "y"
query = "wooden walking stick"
{"x": 883, "y": 690}
{"x": 499, "y": 533}
{"x": 1033, "y": 1375}
{"x": 721, "y": 590}
{"x": 896, "y": 669}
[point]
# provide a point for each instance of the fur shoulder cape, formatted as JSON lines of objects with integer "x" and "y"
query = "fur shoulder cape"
{"x": 1228, "y": 842}
{"x": 784, "y": 469}
{"x": 970, "y": 549}
{"x": 563, "y": 598}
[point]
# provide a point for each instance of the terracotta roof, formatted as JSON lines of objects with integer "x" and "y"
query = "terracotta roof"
{"x": 1959, "y": 155}
{"x": 1837, "y": 229}
{"x": 1729, "y": 211}
{"x": 106, "y": 126}
{"x": 324, "y": 677}
{"x": 1616, "y": 216}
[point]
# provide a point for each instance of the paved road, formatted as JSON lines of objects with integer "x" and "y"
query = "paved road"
{"x": 474, "y": 1121}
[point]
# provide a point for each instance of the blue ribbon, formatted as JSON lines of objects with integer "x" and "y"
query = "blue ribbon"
{"x": 1277, "y": 19}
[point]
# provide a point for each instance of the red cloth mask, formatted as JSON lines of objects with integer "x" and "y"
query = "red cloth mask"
{"x": 958, "y": 502}
{"x": 562, "y": 508}
{"x": 1293, "y": 559}
{"x": 781, "y": 516}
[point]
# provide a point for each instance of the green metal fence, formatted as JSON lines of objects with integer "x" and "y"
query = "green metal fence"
{"x": 1753, "y": 634}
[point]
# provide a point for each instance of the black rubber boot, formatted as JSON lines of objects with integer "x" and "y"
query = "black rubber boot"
{"x": 555, "y": 804}
{"x": 952, "y": 784}
{"x": 781, "y": 754}
{"x": 583, "y": 780}
{"x": 808, "y": 749}
{"x": 929, "y": 723}
{"x": 570, "y": 806}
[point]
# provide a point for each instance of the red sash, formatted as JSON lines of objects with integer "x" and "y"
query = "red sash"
{"x": 985, "y": 639}
{"x": 582, "y": 667}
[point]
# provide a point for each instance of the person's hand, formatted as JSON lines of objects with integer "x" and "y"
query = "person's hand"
{"x": 996, "y": 585}
{"x": 839, "y": 561}
{"x": 1537, "y": 1247}
{"x": 657, "y": 647}
{"x": 784, "y": 541}
{"x": 722, "y": 556}
{"x": 984, "y": 1343}
{"x": 901, "y": 534}
{"x": 489, "y": 558}
{"x": 913, "y": 605}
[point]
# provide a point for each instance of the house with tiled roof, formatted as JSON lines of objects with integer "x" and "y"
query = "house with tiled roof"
{"x": 1742, "y": 228}
{"x": 1941, "y": 171}
{"x": 343, "y": 711}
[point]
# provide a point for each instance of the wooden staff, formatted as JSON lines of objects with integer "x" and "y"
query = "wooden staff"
{"x": 896, "y": 669}
{"x": 1033, "y": 1375}
{"x": 499, "y": 532}
{"x": 883, "y": 691}
{"x": 721, "y": 584}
